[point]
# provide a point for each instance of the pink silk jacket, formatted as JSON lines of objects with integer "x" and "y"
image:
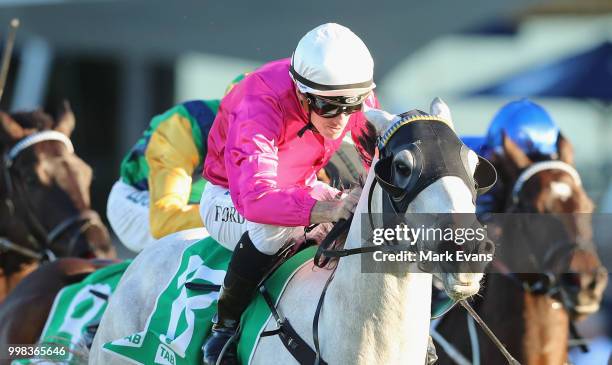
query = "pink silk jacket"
{"x": 254, "y": 149}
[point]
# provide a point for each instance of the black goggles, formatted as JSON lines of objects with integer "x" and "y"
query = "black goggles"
{"x": 329, "y": 107}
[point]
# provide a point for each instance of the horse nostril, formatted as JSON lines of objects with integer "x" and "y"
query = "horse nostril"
{"x": 600, "y": 277}
{"x": 488, "y": 247}
{"x": 593, "y": 284}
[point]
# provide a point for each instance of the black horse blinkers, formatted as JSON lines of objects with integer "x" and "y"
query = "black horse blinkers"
{"x": 425, "y": 135}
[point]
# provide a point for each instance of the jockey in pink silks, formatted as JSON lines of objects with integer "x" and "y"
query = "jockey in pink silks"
{"x": 273, "y": 132}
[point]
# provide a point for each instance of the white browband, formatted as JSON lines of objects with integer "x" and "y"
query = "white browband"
{"x": 35, "y": 138}
{"x": 543, "y": 166}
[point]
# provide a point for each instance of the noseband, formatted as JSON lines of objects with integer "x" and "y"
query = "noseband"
{"x": 14, "y": 192}
{"x": 538, "y": 167}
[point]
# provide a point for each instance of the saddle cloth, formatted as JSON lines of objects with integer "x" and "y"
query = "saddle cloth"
{"x": 74, "y": 308}
{"x": 181, "y": 320}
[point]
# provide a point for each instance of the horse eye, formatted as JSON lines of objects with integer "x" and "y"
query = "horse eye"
{"x": 402, "y": 168}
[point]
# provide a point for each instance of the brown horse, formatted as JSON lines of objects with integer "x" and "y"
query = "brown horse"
{"x": 44, "y": 213}
{"x": 532, "y": 313}
{"x": 44, "y": 196}
{"x": 25, "y": 310}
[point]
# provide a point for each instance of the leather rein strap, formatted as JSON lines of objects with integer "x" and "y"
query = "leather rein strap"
{"x": 399, "y": 197}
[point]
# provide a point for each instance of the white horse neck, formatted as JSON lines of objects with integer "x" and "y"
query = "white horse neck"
{"x": 374, "y": 318}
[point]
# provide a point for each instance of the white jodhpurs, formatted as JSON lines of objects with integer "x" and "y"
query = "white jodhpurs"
{"x": 128, "y": 213}
{"x": 226, "y": 225}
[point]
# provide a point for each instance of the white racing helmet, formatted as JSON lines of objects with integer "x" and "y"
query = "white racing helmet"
{"x": 331, "y": 60}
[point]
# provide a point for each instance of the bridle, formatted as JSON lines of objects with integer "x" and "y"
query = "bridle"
{"x": 411, "y": 132}
{"x": 548, "y": 282}
{"x": 535, "y": 169}
{"x": 483, "y": 179}
{"x": 16, "y": 196}
{"x": 416, "y": 134}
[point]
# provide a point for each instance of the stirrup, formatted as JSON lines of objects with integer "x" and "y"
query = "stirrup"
{"x": 221, "y": 357}
{"x": 226, "y": 347}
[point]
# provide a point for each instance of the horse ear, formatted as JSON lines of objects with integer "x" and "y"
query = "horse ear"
{"x": 440, "y": 108}
{"x": 513, "y": 159}
{"x": 65, "y": 121}
{"x": 10, "y": 130}
{"x": 566, "y": 150}
{"x": 380, "y": 119}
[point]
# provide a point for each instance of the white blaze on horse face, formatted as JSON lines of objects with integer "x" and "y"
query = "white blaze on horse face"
{"x": 561, "y": 190}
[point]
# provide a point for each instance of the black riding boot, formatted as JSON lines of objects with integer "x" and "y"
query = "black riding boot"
{"x": 246, "y": 269}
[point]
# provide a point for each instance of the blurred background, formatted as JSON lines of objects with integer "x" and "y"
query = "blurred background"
{"x": 121, "y": 62}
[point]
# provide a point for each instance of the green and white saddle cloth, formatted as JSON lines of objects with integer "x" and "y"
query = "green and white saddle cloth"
{"x": 74, "y": 308}
{"x": 181, "y": 320}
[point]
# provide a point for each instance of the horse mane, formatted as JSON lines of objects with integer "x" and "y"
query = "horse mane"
{"x": 417, "y": 114}
{"x": 413, "y": 113}
{"x": 367, "y": 143}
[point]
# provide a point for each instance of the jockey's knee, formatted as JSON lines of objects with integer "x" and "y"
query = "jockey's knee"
{"x": 269, "y": 239}
{"x": 226, "y": 225}
{"x": 221, "y": 219}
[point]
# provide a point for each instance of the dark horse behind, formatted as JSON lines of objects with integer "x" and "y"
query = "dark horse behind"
{"x": 532, "y": 312}
{"x": 45, "y": 213}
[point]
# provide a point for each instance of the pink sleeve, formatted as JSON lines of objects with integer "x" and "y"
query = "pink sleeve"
{"x": 364, "y": 134}
{"x": 251, "y": 161}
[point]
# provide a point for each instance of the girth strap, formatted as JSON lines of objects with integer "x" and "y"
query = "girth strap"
{"x": 296, "y": 346}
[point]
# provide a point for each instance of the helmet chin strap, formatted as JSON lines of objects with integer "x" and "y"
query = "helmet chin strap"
{"x": 308, "y": 125}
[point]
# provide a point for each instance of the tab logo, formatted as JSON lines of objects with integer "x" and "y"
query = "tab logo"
{"x": 165, "y": 356}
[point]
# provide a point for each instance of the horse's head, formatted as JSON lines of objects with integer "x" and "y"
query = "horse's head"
{"x": 554, "y": 187}
{"x": 425, "y": 168}
{"x": 44, "y": 190}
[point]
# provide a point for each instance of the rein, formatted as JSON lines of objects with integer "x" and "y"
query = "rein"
{"x": 7, "y": 245}
{"x": 548, "y": 283}
{"x": 400, "y": 197}
{"x": 416, "y": 130}
{"x": 44, "y": 238}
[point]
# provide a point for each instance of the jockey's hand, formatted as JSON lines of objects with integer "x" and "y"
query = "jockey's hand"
{"x": 334, "y": 210}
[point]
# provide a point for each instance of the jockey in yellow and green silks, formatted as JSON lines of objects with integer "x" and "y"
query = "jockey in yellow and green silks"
{"x": 161, "y": 182}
